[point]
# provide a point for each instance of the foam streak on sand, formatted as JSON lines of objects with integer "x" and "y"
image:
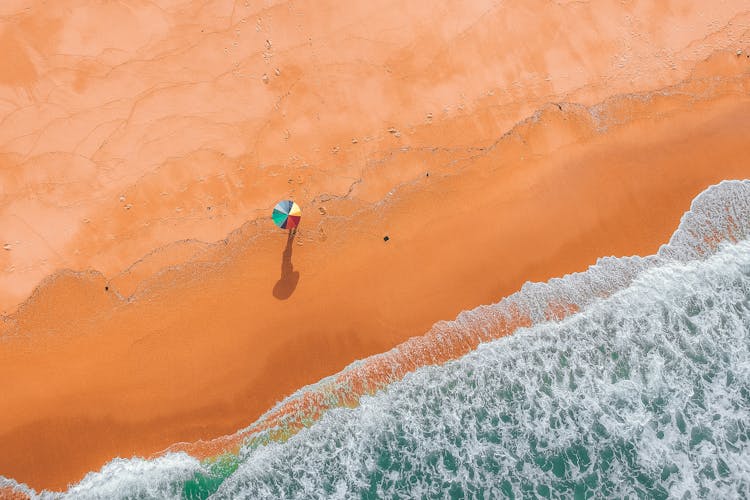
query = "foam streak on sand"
{"x": 602, "y": 400}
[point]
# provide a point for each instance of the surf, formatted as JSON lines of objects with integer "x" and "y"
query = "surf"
{"x": 645, "y": 393}
{"x": 337, "y": 419}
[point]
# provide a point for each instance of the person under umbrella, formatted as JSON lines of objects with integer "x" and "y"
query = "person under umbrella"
{"x": 286, "y": 215}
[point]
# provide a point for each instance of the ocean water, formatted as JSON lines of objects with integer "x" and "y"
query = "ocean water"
{"x": 641, "y": 390}
{"x": 645, "y": 394}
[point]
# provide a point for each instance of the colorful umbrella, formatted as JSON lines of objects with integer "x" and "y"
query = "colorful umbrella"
{"x": 287, "y": 214}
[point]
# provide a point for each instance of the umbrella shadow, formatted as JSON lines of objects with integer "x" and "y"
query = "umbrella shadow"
{"x": 284, "y": 288}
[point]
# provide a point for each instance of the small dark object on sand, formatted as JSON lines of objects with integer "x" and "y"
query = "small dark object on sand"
{"x": 428, "y": 174}
{"x": 386, "y": 238}
{"x": 106, "y": 288}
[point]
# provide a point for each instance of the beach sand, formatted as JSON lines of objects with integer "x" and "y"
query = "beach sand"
{"x": 487, "y": 157}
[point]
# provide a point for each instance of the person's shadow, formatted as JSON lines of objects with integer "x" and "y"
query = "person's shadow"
{"x": 284, "y": 288}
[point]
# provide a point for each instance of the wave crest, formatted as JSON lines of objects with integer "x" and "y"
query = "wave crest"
{"x": 721, "y": 214}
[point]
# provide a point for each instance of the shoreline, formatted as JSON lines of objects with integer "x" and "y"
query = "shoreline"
{"x": 194, "y": 354}
{"x": 153, "y": 154}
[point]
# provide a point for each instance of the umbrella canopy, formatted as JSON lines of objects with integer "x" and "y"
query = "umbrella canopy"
{"x": 286, "y": 214}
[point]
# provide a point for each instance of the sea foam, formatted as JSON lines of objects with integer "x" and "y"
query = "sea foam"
{"x": 646, "y": 393}
{"x": 642, "y": 390}
{"x": 137, "y": 478}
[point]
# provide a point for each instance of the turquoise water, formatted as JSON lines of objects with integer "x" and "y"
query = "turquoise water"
{"x": 645, "y": 393}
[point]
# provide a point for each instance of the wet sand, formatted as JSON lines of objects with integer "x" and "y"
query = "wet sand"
{"x": 174, "y": 339}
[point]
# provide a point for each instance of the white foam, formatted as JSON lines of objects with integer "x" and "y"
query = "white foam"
{"x": 653, "y": 376}
{"x": 160, "y": 478}
{"x": 338, "y": 456}
{"x": 720, "y": 213}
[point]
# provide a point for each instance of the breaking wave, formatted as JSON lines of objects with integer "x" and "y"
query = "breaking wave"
{"x": 645, "y": 394}
{"x": 632, "y": 378}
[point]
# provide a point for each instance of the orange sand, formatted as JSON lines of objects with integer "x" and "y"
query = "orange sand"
{"x": 166, "y": 112}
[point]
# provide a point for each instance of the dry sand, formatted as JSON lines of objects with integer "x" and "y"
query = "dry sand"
{"x": 126, "y": 149}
